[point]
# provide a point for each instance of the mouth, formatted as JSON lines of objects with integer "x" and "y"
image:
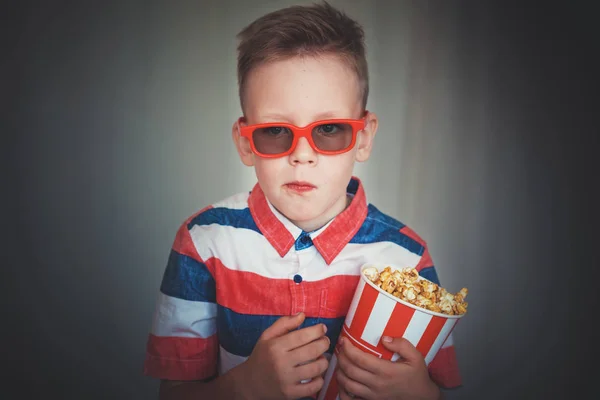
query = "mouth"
{"x": 300, "y": 186}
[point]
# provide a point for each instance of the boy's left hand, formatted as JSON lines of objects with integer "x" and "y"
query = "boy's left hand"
{"x": 367, "y": 377}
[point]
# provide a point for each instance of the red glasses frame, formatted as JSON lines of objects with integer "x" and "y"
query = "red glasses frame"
{"x": 302, "y": 132}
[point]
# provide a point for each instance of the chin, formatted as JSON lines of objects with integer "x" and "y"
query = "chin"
{"x": 298, "y": 211}
{"x": 298, "y": 215}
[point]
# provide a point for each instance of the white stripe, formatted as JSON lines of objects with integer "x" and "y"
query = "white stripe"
{"x": 228, "y": 360}
{"x": 354, "y": 303}
{"x": 327, "y": 377}
{"x": 238, "y": 201}
{"x": 355, "y": 255}
{"x": 450, "y": 341}
{"x": 241, "y": 250}
{"x": 236, "y": 247}
{"x": 183, "y": 318}
{"x": 249, "y": 251}
{"x": 359, "y": 344}
{"x": 446, "y": 329}
{"x": 417, "y": 325}
{"x": 380, "y": 253}
{"x": 395, "y": 357}
{"x": 378, "y": 319}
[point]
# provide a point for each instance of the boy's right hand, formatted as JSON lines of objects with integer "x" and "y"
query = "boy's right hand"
{"x": 284, "y": 356}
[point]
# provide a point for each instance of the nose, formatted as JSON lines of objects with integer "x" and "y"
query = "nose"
{"x": 303, "y": 153}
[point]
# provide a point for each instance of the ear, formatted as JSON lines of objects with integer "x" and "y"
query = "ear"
{"x": 365, "y": 137}
{"x": 242, "y": 144}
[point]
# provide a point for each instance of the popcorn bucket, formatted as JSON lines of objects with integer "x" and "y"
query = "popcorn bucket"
{"x": 374, "y": 313}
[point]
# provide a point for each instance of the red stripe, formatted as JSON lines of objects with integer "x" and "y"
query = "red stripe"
{"x": 363, "y": 311}
{"x": 250, "y": 293}
{"x": 413, "y": 235}
{"x": 444, "y": 368}
{"x": 401, "y": 316}
{"x": 425, "y": 261}
{"x": 431, "y": 333}
{"x": 179, "y": 358}
{"x": 183, "y": 243}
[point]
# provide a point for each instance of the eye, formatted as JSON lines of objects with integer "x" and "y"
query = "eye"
{"x": 328, "y": 128}
{"x": 277, "y": 130}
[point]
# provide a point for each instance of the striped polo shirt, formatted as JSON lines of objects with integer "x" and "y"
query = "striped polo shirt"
{"x": 238, "y": 265}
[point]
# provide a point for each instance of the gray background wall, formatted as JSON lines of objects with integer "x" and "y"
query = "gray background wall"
{"x": 117, "y": 128}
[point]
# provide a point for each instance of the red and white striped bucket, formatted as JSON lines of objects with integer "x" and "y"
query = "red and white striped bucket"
{"x": 374, "y": 313}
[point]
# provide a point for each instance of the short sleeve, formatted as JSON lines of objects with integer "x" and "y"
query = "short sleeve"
{"x": 182, "y": 343}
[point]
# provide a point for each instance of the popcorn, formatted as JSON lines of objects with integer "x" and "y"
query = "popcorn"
{"x": 407, "y": 285}
{"x": 371, "y": 273}
{"x": 373, "y": 313}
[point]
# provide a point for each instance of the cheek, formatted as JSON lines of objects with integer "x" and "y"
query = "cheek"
{"x": 267, "y": 171}
{"x": 338, "y": 168}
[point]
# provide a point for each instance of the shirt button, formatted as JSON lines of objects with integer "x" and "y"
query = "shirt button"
{"x": 305, "y": 239}
{"x": 297, "y": 278}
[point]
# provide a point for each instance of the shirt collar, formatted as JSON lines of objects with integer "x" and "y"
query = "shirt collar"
{"x": 329, "y": 240}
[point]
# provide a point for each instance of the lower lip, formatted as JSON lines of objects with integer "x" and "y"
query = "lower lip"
{"x": 299, "y": 188}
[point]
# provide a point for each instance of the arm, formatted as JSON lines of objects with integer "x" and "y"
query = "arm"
{"x": 182, "y": 343}
{"x": 282, "y": 358}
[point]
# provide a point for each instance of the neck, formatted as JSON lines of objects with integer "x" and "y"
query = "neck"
{"x": 339, "y": 206}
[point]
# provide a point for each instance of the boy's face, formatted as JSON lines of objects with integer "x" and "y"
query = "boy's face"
{"x": 302, "y": 90}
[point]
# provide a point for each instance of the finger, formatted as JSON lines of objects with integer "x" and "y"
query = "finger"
{"x": 310, "y": 351}
{"x": 348, "y": 396}
{"x": 301, "y": 337}
{"x": 366, "y": 361}
{"x": 354, "y": 371}
{"x": 308, "y": 389}
{"x": 404, "y": 348}
{"x": 345, "y": 395}
{"x": 312, "y": 369}
{"x": 350, "y": 386}
{"x": 282, "y": 326}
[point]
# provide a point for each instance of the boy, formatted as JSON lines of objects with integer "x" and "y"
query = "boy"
{"x": 256, "y": 287}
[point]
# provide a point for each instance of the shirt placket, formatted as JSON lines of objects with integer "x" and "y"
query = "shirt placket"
{"x": 304, "y": 253}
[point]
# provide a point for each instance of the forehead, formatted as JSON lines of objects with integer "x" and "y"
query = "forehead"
{"x": 301, "y": 90}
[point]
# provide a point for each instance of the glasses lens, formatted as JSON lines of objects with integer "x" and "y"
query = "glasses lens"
{"x": 332, "y": 137}
{"x": 272, "y": 140}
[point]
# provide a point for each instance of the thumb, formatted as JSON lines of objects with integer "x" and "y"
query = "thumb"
{"x": 283, "y": 325}
{"x": 404, "y": 348}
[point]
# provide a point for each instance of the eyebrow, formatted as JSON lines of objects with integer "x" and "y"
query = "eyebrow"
{"x": 281, "y": 118}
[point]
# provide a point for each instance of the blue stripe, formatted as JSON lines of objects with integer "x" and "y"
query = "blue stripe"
{"x": 379, "y": 227}
{"x": 238, "y": 333}
{"x": 227, "y": 217}
{"x": 431, "y": 274}
{"x": 188, "y": 279}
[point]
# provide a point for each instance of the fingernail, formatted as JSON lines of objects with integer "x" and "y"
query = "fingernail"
{"x": 387, "y": 339}
{"x": 324, "y": 328}
{"x": 341, "y": 341}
